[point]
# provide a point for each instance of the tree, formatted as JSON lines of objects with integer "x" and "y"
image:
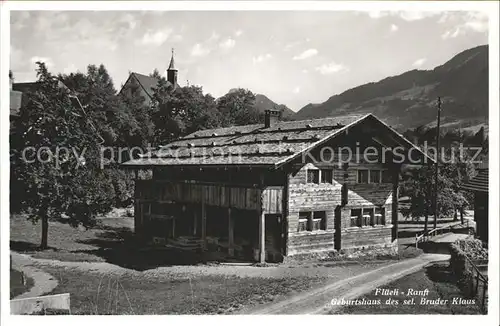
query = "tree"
{"x": 155, "y": 74}
{"x": 420, "y": 188}
{"x": 237, "y": 108}
{"x": 65, "y": 177}
{"x": 181, "y": 111}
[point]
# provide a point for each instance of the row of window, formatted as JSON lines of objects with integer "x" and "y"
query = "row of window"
{"x": 367, "y": 216}
{"x": 318, "y": 176}
{"x": 374, "y": 176}
{"x": 312, "y": 221}
{"x": 316, "y": 220}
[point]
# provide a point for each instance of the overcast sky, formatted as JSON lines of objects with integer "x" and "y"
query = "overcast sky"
{"x": 294, "y": 58}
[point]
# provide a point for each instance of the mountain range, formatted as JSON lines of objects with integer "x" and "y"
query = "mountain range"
{"x": 263, "y": 103}
{"x": 409, "y": 100}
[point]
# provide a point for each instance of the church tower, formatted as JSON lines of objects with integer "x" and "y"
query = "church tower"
{"x": 172, "y": 71}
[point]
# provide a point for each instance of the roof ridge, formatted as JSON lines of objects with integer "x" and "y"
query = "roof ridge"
{"x": 138, "y": 73}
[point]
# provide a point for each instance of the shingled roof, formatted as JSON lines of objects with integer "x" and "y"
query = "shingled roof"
{"x": 479, "y": 182}
{"x": 147, "y": 83}
{"x": 18, "y": 93}
{"x": 251, "y": 144}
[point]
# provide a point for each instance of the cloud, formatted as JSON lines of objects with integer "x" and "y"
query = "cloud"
{"x": 70, "y": 68}
{"x": 417, "y": 15}
{"x": 405, "y": 15}
{"x": 394, "y": 28}
{"x": 213, "y": 37}
{"x": 48, "y": 61}
{"x": 156, "y": 38}
{"x": 129, "y": 19}
{"x": 199, "y": 50}
{"x": 419, "y": 62}
{"x": 463, "y": 23}
{"x": 450, "y": 33}
{"x": 262, "y": 58}
{"x": 331, "y": 68}
{"x": 20, "y": 19}
{"x": 228, "y": 44}
{"x": 176, "y": 38}
{"x": 296, "y": 90}
{"x": 306, "y": 54}
{"x": 238, "y": 33}
{"x": 17, "y": 58}
{"x": 291, "y": 45}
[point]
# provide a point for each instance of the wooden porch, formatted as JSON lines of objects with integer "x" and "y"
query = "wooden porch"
{"x": 208, "y": 216}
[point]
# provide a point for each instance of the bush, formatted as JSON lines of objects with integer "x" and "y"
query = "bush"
{"x": 461, "y": 250}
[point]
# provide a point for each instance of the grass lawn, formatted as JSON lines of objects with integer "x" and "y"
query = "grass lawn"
{"x": 439, "y": 282}
{"x": 97, "y": 293}
{"x": 67, "y": 243}
{"x": 17, "y": 286}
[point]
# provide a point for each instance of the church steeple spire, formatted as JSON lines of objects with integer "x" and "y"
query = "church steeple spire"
{"x": 172, "y": 65}
{"x": 172, "y": 71}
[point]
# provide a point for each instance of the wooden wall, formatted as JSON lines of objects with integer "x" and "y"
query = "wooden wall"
{"x": 326, "y": 197}
{"x": 366, "y": 237}
{"x": 190, "y": 193}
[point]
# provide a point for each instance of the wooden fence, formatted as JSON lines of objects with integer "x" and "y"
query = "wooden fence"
{"x": 478, "y": 283}
{"x": 424, "y": 237}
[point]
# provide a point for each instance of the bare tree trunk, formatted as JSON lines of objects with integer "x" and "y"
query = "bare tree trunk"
{"x": 462, "y": 215}
{"x": 455, "y": 216}
{"x": 426, "y": 222}
{"x": 45, "y": 229}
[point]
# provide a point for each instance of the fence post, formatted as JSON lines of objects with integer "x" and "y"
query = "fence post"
{"x": 477, "y": 283}
{"x": 485, "y": 285}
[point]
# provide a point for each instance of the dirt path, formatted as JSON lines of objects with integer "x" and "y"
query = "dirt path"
{"x": 332, "y": 271}
{"x": 318, "y": 301}
{"x": 42, "y": 282}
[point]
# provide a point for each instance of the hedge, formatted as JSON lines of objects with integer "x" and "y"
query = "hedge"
{"x": 461, "y": 250}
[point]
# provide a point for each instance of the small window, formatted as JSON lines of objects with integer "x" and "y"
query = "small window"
{"x": 386, "y": 176}
{"x": 303, "y": 221}
{"x": 375, "y": 176}
{"x": 319, "y": 221}
{"x": 313, "y": 176}
{"x": 366, "y": 219}
{"x": 362, "y": 176}
{"x": 379, "y": 217}
{"x": 312, "y": 221}
{"x": 355, "y": 217}
{"x": 326, "y": 176}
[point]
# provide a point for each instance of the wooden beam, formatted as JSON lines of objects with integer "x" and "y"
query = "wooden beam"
{"x": 285, "y": 212}
{"x": 262, "y": 222}
{"x": 262, "y": 236}
{"x": 231, "y": 232}
{"x": 395, "y": 195}
{"x": 203, "y": 219}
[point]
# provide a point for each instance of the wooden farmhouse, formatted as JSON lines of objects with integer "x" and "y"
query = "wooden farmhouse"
{"x": 265, "y": 191}
{"x": 479, "y": 187}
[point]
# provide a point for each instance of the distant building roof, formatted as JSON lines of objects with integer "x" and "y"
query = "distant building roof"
{"x": 15, "y": 102}
{"x": 479, "y": 182}
{"x": 18, "y": 93}
{"x": 257, "y": 145}
{"x": 147, "y": 83}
